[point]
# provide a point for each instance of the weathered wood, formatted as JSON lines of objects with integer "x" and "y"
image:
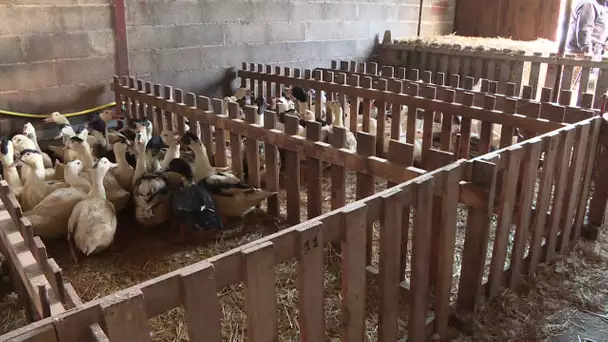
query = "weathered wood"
{"x": 126, "y": 319}
{"x": 201, "y": 303}
{"x": 365, "y": 185}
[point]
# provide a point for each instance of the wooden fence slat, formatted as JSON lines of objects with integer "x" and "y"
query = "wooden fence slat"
{"x": 503, "y": 227}
{"x": 421, "y": 248}
{"x": 252, "y": 150}
{"x": 236, "y": 143}
{"x": 158, "y": 122}
{"x": 272, "y": 166}
{"x": 543, "y": 199}
{"x": 353, "y": 272}
{"x": 220, "y": 137}
{"x": 574, "y": 182}
{"x": 204, "y": 103}
{"x": 338, "y": 173}
{"x": 126, "y": 319}
{"x": 200, "y": 300}
{"x": 260, "y": 292}
{"x": 566, "y": 143}
{"x": 484, "y": 174}
{"x": 365, "y": 185}
{"x": 446, "y": 248}
{"x": 524, "y": 207}
{"x": 292, "y": 187}
{"x": 310, "y": 256}
{"x": 390, "y": 253}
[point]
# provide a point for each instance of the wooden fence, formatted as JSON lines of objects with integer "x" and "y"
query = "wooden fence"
{"x": 565, "y": 153}
{"x": 536, "y": 70}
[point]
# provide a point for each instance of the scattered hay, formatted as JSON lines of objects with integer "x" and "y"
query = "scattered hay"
{"x": 12, "y": 314}
{"x": 548, "y": 304}
{"x": 500, "y": 43}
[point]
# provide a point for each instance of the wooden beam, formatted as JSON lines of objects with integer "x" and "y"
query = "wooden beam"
{"x": 121, "y": 47}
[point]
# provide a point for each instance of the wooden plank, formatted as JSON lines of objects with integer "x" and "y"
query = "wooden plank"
{"x": 574, "y": 183}
{"x": 252, "y": 151}
{"x": 529, "y": 173}
{"x": 590, "y": 158}
{"x": 366, "y": 185}
{"x": 353, "y": 272}
{"x": 272, "y": 166}
{"x": 292, "y": 159}
{"x": 169, "y": 116}
{"x": 198, "y": 288}
{"x": 421, "y": 247}
{"x": 485, "y": 134}
{"x": 158, "y": 121}
{"x": 446, "y": 247}
{"x": 204, "y": 103}
{"x": 314, "y": 174}
{"x": 484, "y": 174}
{"x": 310, "y": 256}
{"x": 507, "y": 203}
{"x": 236, "y": 143}
{"x": 180, "y": 122}
{"x": 125, "y": 318}
{"x": 566, "y": 143}
{"x": 390, "y": 253}
{"x": 220, "y": 136}
{"x": 260, "y": 292}
{"x": 551, "y": 145}
{"x": 338, "y": 173}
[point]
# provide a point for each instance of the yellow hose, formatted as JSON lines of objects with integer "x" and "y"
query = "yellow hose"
{"x": 42, "y": 116}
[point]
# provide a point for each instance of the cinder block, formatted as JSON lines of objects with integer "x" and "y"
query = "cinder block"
{"x": 372, "y": 12}
{"x": 309, "y": 50}
{"x": 200, "y": 35}
{"x": 10, "y": 50}
{"x": 79, "y": 18}
{"x": 339, "y": 48}
{"x": 309, "y": 11}
{"x": 272, "y": 11}
{"x": 437, "y": 28}
{"x": 85, "y": 70}
{"x": 285, "y": 31}
{"x": 179, "y": 59}
{"x": 337, "y": 30}
{"x": 151, "y": 37}
{"x": 206, "y": 81}
{"x": 223, "y": 56}
{"x": 47, "y": 2}
{"x": 398, "y": 29}
{"x": 142, "y": 62}
{"x": 48, "y": 47}
{"x": 268, "y": 53}
{"x": 28, "y": 76}
{"x": 364, "y": 47}
{"x": 177, "y": 13}
{"x": 409, "y": 12}
{"x": 340, "y": 11}
{"x": 226, "y": 11}
{"x": 102, "y": 42}
{"x": 245, "y": 33}
{"x": 139, "y": 13}
{"x": 24, "y": 20}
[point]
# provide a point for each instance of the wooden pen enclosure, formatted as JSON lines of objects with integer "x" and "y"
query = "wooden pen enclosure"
{"x": 407, "y": 262}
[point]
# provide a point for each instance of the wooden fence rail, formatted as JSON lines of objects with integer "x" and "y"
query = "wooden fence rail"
{"x": 536, "y": 70}
{"x": 568, "y": 155}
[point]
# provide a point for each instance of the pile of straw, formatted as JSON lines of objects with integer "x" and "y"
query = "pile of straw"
{"x": 500, "y": 43}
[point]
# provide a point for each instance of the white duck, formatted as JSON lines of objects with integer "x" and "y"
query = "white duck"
{"x": 123, "y": 171}
{"x": 351, "y": 141}
{"x": 30, "y": 132}
{"x": 11, "y": 175}
{"x": 232, "y": 197}
{"x": 50, "y": 217}
{"x": 92, "y": 224}
{"x": 36, "y": 188}
{"x": 170, "y": 139}
{"x": 22, "y": 143}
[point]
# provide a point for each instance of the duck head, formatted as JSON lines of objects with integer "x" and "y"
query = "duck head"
{"x": 21, "y": 142}
{"x": 57, "y": 118}
{"x": 28, "y": 157}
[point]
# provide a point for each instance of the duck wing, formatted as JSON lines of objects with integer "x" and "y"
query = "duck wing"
{"x": 195, "y": 205}
{"x": 225, "y": 184}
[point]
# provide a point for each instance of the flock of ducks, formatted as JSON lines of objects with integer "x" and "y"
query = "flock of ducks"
{"x": 99, "y": 173}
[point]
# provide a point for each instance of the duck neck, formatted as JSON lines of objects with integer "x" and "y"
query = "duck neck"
{"x": 39, "y": 173}
{"x": 97, "y": 189}
{"x": 338, "y": 121}
{"x": 34, "y": 138}
{"x": 72, "y": 178}
{"x": 9, "y": 172}
{"x": 121, "y": 159}
{"x": 140, "y": 165}
{"x": 86, "y": 156}
{"x": 203, "y": 166}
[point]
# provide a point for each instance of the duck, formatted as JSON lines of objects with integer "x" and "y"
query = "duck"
{"x": 232, "y": 196}
{"x": 49, "y": 218}
{"x": 115, "y": 193}
{"x": 191, "y": 203}
{"x": 123, "y": 171}
{"x": 336, "y": 108}
{"x": 65, "y": 127}
{"x": 57, "y": 118}
{"x": 11, "y": 175}
{"x": 36, "y": 188}
{"x": 66, "y": 132}
{"x": 92, "y": 224}
{"x": 30, "y": 132}
{"x": 171, "y": 140}
{"x": 22, "y": 143}
{"x": 151, "y": 191}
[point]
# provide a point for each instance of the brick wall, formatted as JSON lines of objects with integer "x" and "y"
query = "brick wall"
{"x": 58, "y": 54}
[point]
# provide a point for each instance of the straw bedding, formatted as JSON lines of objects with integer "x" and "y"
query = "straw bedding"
{"x": 500, "y": 43}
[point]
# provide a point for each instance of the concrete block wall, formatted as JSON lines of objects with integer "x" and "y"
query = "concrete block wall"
{"x": 59, "y": 54}
{"x": 55, "y": 54}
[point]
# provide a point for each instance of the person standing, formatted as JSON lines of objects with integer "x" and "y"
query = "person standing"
{"x": 588, "y": 32}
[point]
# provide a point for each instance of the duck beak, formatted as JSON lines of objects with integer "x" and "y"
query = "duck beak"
{"x": 15, "y": 164}
{"x": 113, "y": 165}
{"x": 48, "y": 120}
{"x": 59, "y": 136}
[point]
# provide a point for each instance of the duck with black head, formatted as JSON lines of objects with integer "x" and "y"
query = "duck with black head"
{"x": 10, "y": 174}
